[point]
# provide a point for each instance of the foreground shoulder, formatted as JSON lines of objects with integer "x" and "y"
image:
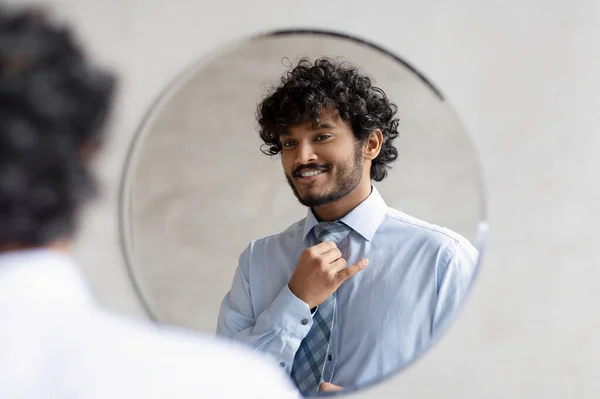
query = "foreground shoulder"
{"x": 204, "y": 364}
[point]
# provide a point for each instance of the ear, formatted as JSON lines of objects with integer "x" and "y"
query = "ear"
{"x": 373, "y": 144}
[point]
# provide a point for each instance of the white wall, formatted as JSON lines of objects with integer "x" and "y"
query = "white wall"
{"x": 523, "y": 76}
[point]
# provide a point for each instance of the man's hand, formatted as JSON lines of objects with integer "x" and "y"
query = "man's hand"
{"x": 320, "y": 271}
{"x": 329, "y": 387}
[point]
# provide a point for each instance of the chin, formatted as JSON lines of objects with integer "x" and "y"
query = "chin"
{"x": 313, "y": 195}
{"x": 313, "y": 201}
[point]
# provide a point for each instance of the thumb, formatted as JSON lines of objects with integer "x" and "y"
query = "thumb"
{"x": 350, "y": 271}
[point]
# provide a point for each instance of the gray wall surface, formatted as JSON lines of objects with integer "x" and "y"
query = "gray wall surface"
{"x": 523, "y": 76}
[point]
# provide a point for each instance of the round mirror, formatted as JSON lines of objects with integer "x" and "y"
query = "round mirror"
{"x": 222, "y": 227}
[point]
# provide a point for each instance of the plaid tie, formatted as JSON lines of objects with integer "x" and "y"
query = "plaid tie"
{"x": 331, "y": 231}
{"x": 309, "y": 361}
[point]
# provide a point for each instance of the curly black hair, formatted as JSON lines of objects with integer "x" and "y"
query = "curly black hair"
{"x": 53, "y": 105}
{"x": 308, "y": 88}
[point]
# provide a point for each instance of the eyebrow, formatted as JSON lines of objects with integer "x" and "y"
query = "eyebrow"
{"x": 314, "y": 126}
{"x": 322, "y": 125}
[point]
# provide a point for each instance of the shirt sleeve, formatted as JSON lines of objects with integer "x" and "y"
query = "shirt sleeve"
{"x": 456, "y": 271}
{"x": 277, "y": 331}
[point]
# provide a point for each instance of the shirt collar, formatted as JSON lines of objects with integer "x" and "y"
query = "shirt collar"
{"x": 364, "y": 219}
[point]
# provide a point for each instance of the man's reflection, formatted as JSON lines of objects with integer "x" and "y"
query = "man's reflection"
{"x": 355, "y": 290}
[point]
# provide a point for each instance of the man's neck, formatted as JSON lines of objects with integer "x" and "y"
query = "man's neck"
{"x": 340, "y": 208}
{"x": 63, "y": 246}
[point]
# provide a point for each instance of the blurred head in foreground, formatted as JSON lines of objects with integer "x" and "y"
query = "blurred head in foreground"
{"x": 53, "y": 107}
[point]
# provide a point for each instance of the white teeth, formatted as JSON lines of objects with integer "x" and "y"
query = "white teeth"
{"x": 311, "y": 173}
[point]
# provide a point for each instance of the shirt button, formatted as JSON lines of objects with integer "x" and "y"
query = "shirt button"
{"x": 330, "y": 357}
{"x": 304, "y": 322}
{"x": 282, "y": 364}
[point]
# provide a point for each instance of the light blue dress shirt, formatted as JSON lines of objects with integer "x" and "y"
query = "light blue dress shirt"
{"x": 387, "y": 314}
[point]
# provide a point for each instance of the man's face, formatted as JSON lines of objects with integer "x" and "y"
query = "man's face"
{"x": 322, "y": 162}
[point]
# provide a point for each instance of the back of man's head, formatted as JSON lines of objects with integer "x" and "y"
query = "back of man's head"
{"x": 53, "y": 106}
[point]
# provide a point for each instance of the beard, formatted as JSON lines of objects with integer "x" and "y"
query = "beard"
{"x": 345, "y": 180}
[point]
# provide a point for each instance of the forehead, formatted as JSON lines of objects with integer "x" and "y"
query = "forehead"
{"x": 328, "y": 119}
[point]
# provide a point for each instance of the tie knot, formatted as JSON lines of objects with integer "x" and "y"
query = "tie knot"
{"x": 331, "y": 231}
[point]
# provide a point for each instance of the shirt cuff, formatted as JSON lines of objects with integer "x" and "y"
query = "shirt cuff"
{"x": 291, "y": 313}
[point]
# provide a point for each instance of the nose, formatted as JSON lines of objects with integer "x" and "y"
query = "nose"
{"x": 304, "y": 154}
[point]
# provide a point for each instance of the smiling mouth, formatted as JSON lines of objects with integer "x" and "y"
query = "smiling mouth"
{"x": 310, "y": 173}
{"x": 307, "y": 171}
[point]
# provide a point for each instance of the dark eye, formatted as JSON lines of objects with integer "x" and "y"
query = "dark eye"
{"x": 322, "y": 137}
{"x": 288, "y": 143}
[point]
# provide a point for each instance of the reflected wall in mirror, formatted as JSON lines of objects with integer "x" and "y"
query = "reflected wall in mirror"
{"x": 240, "y": 166}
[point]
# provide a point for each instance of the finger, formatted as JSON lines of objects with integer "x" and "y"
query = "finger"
{"x": 337, "y": 266}
{"x": 350, "y": 271}
{"x": 332, "y": 255}
{"x": 323, "y": 247}
{"x": 329, "y": 387}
